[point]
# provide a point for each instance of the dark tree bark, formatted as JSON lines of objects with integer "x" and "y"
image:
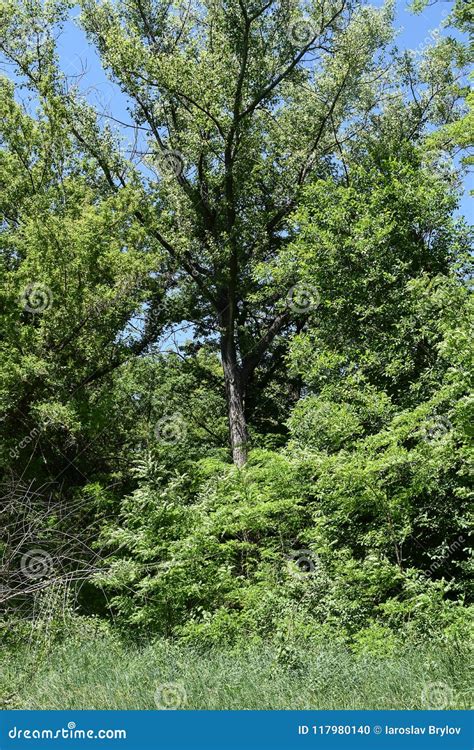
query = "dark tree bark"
{"x": 235, "y": 395}
{"x": 224, "y": 283}
{"x": 238, "y": 371}
{"x": 234, "y": 381}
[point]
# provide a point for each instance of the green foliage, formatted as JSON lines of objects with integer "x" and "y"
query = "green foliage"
{"x": 379, "y": 252}
{"x": 361, "y": 483}
{"x": 285, "y": 278}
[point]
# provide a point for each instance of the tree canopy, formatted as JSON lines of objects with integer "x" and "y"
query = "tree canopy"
{"x": 236, "y": 330}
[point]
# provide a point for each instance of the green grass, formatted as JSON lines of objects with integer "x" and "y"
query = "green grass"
{"x": 101, "y": 673}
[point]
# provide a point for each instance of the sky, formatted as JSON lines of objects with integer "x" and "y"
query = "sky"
{"x": 77, "y": 55}
{"x": 79, "y": 58}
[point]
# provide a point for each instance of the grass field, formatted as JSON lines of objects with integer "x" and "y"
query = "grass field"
{"x": 101, "y": 673}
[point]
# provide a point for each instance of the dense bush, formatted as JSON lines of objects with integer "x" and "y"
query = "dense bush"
{"x": 236, "y": 374}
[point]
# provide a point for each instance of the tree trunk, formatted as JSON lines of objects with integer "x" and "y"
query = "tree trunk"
{"x": 235, "y": 401}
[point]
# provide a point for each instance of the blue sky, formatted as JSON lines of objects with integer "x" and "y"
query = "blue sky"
{"x": 78, "y": 58}
{"x": 76, "y": 54}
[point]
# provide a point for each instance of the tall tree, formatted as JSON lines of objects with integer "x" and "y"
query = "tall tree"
{"x": 245, "y": 100}
{"x": 239, "y": 104}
